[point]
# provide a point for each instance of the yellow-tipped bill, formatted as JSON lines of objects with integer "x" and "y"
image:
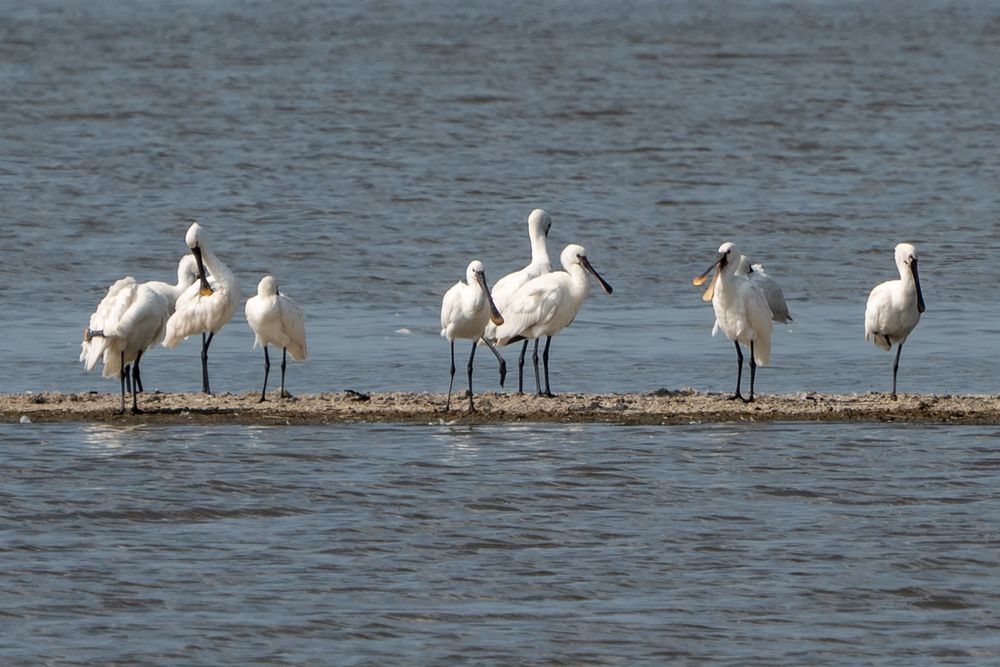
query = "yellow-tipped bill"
{"x": 710, "y": 292}
{"x": 206, "y": 291}
{"x": 718, "y": 264}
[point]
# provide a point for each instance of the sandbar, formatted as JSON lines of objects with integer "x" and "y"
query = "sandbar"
{"x": 663, "y": 406}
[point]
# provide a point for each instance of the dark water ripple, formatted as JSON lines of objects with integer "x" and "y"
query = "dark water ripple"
{"x": 533, "y": 544}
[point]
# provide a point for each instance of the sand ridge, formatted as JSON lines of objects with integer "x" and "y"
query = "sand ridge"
{"x": 659, "y": 407}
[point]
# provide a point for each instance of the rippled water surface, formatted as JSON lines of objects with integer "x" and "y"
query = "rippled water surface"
{"x": 364, "y": 153}
{"x": 538, "y": 544}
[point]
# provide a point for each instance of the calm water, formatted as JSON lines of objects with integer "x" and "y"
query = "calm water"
{"x": 374, "y": 544}
{"x": 364, "y": 154}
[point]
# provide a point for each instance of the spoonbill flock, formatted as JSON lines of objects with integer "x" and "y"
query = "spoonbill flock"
{"x": 132, "y": 317}
{"x": 523, "y": 306}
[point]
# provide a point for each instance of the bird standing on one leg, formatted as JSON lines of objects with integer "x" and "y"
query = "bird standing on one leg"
{"x": 465, "y": 310}
{"x": 276, "y": 320}
{"x": 205, "y": 306}
{"x": 894, "y": 307}
{"x": 741, "y": 312}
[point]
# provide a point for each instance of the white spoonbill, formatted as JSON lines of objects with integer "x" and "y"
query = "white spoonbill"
{"x": 894, "y": 307}
{"x": 276, "y": 320}
{"x": 187, "y": 274}
{"x": 128, "y": 321}
{"x": 546, "y": 305}
{"x": 741, "y": 311}
{"x": 775, "y": 297}
{"x": 465, "y": 310}
{"x": 205, "y": 306}
{"x": 539, "y": 224}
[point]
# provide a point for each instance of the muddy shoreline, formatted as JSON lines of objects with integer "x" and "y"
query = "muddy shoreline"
{"x": 660, "y": 407}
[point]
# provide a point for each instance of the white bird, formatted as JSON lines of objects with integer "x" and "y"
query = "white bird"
{"x": 128, "y": 321}
{"x": 187, "y": 274}
{"x": 205, "y": 306}
{"x": 465, "y": 310}
{"x": 539, "y": 224}
{"x": 894, "y": 307}
{"x": 276, "y": 320}
{"x": 741, "y": 311}
{"x": 772, "y": 292}
{"x": 546, "y": 305}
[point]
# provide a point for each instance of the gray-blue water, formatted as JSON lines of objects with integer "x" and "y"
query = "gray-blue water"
{"x": 381, "y": 544}
{"x": 364, "y": 153}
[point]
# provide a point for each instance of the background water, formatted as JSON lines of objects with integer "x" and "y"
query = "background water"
{"x": 364, "y": 154}
{"x": 767, "y": 544}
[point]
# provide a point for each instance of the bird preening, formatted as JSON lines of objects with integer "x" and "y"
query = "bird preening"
{"x": 208, "y": 304}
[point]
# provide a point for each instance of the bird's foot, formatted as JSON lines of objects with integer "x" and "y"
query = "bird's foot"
{"x": 748, "y": 400}
{"x": 137, "y": 411}
{"x": 286, "y": 394}
{"x": 735, "y": 396}
{"x": 893, "y": 396}
{"x": 547, "y": 394}
{"x": 262, "y": 399}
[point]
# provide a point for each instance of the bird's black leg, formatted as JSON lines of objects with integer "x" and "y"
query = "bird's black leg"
{"x": 545, "y": 361}
{"x": 739, "y": 372}
{"x": 205, "y": 342}
{"x": 472, "y": 408}
{"x": 122, "y": 375}
{"x": 267, "y": 370}
{"x": 503, "y": 362}
{"x": 284, "y": 361}
{"x": 136, "y": 384}
{"x": 520, "y": 368}
{"x": 895, "y": 367}
{"x": 753, "y": 373}
{"x": 136, "y": 380}
{"x": 534, "y": 360}
{"x": 128, "y": 377}
{"x": 451, "y": 382}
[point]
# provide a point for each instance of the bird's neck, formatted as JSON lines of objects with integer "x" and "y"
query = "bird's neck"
{"x": 579, "y": 283}
{"x": 218, "y": 270}
{"x": 539, "y": 251}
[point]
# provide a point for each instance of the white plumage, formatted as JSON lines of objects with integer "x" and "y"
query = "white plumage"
{"x": 128, "y": 321}
{"x": 741, "y": 312}
{"x": 546, "y": 305}
{"x": 772, "y": 292}
{"x": 894, "y": 307}
{"x": 276, "y": 320}
{"x": 465, "y": 310}
{"x": 187, "y": 274}
{"x": 539, "y": 224}
{"x": 208, "y": 304}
